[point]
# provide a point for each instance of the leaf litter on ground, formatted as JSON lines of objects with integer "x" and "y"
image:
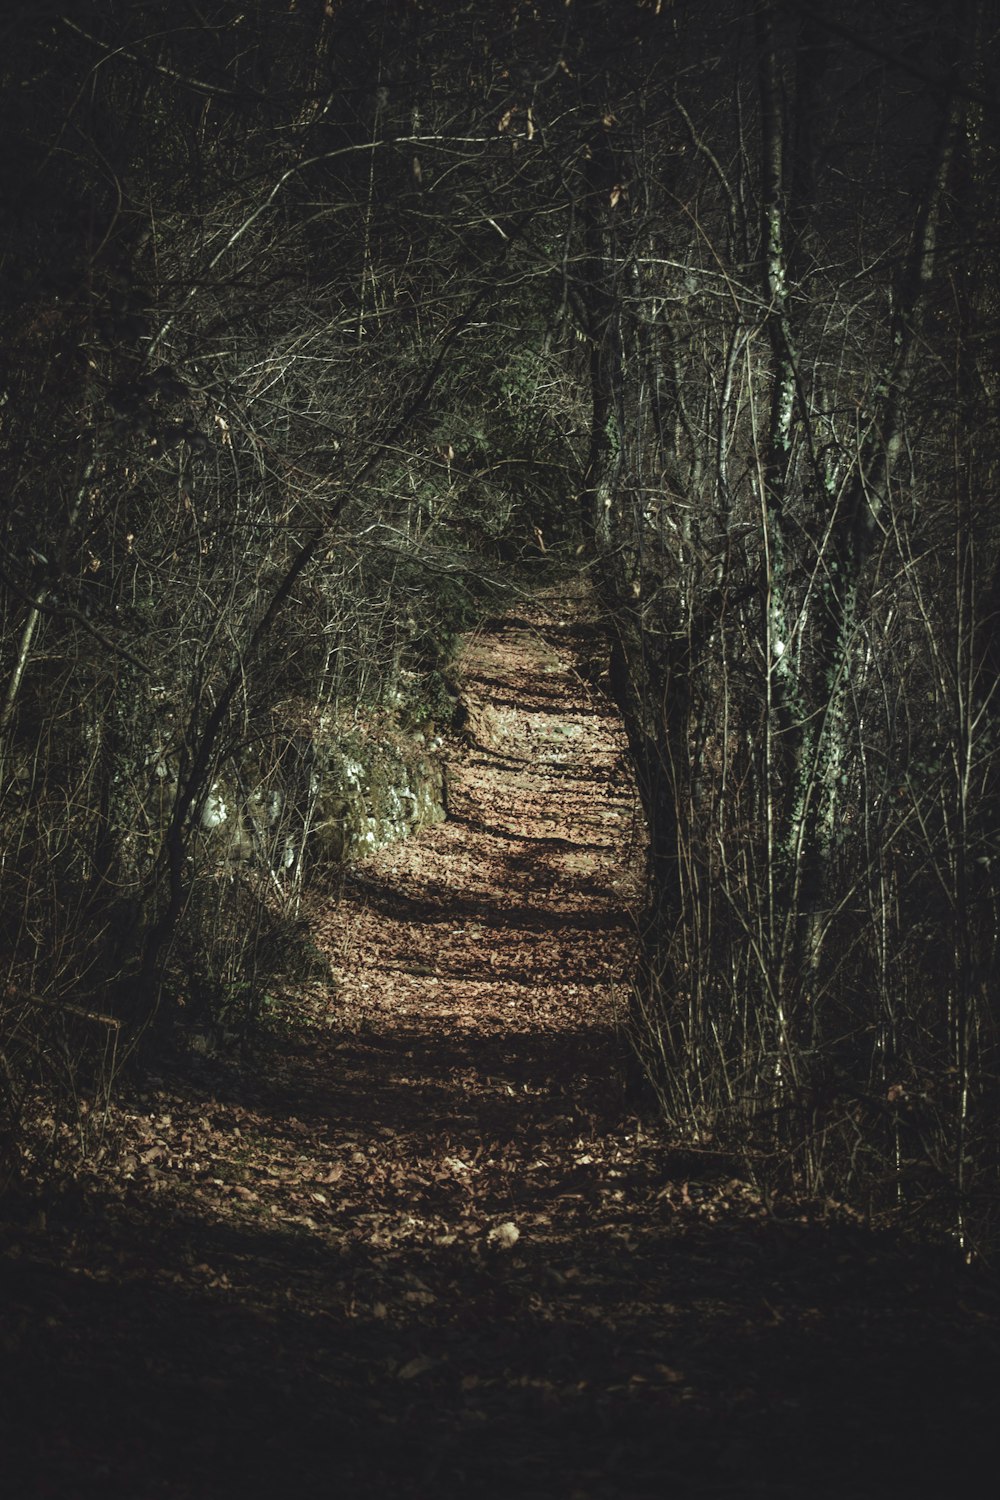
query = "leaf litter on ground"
{"x": 419, "y": 1243}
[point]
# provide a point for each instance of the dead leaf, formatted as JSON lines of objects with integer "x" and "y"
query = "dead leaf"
{"x": 504, "y": 1236}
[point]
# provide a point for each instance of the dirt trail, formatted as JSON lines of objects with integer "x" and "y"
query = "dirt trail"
{"x": 501, "y": 935}
{"x": 420, "y": 1248}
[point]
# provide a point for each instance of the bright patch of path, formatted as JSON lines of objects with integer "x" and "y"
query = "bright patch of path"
{"x": 518, "y": 912}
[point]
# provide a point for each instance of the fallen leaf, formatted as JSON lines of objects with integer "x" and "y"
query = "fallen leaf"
{"x": 504, "y": 1236}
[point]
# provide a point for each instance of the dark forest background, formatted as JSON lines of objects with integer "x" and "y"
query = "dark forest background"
{"x": 323, "y": 328}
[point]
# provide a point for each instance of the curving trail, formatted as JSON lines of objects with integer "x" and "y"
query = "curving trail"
{"x": 420, "y": 1248}
{"x": 506, "y": 929}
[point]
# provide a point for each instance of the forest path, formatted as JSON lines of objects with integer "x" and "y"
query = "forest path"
{"x": 419, "y": 1248}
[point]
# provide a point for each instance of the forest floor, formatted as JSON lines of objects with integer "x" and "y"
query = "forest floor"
{"x": 416, "y": 1242}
